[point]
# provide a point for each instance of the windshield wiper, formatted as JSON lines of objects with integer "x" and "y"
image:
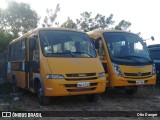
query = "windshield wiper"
{"x": 79, "y": 52}
{"x": 128, "y": 57}
{"x": 138, "y": 57}
{"x": 69, "y": 53}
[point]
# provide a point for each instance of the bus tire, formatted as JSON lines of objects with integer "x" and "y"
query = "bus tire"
{"x": 131, "y": 90}
{"x": 14, "y": 84}
{"x": 43, "y": 100}
{"x": 92, "y": 97}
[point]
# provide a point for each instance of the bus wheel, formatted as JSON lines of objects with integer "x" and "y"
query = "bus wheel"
{"x": 43, "y": 100}
{"x": 131, "y": 90}
{"x": 92, "y": 97}
{"x": 14, "y": 85}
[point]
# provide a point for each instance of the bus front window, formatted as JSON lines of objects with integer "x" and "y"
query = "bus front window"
{"x": 56, "y": 43}
{"x": 126, "y": 48}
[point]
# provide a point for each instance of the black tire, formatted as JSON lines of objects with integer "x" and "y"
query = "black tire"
{"x": 131, "y": 90}
{"x": 92, "y": 97}
{"x": 14, "y": 85}
{"x": 43, "y": 100}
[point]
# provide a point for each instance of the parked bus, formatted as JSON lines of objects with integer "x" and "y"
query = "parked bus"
{"x": 56, "y": 62}
{"x": 155, "y": 53}
{"x": 125, "y": 58}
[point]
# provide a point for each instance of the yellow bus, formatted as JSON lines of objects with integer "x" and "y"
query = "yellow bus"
{"x": 56, "y": 62}
{"x": 125, "y": 58}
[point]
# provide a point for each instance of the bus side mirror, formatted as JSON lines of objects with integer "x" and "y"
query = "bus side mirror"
{"x": 35, "y": 55}
{"x": 35, "y": 36}
{"x": 97, "y": 44}
{"x": 152, "y": 38}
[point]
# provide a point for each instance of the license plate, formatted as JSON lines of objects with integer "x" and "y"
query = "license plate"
{"x": 83, "y": 84}
{"x": 140, "y": 82}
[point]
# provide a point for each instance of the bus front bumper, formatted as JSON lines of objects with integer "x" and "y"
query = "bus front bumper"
{"x": 121, "y": 81}
{"x": 68, "y": 88}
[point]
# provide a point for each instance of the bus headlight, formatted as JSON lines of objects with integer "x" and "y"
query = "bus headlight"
{"x": 153, "y": 69}
{"x": 117, "y": 69}
{"x": 100, "y": 75}
{"x": 54, "y": 76}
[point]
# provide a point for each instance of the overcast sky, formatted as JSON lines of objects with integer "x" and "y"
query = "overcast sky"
{"x": 143, "y": 14}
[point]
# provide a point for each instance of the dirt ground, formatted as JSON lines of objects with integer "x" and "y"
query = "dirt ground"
{"x": 146, "y": 99}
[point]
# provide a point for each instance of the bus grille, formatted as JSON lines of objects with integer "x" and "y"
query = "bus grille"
{"x": 81, "y": 75}
{"x": 75, "y": 79}
{"x": 138, "y": 74}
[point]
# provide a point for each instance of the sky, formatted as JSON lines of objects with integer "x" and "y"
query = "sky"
{"x": 143, "y": 14}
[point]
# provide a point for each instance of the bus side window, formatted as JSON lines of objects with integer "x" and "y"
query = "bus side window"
{"x": 33, "y": 49}
{"x": 23, "y": 49}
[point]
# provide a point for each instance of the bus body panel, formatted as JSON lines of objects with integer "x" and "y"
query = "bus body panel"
{"x": 79, "y": 65}
{"x": 68, "y": 85}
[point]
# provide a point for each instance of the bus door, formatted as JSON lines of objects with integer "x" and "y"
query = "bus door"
{"x": 33, "y": 59}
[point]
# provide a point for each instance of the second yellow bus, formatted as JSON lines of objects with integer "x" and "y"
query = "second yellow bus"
{"x": 125, "y": 58}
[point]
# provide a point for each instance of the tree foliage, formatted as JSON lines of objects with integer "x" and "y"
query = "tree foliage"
{"x": 101, "y": 22}
{"x": 85, "y": 22}
{"x": 18, "y": 18}
{"x": 88, "y": 23}
{"x": 123, "y": 25}
{"x": 51, "y": 17}
{"x": 5, "y": 38}
{"x": 69, "y": 24}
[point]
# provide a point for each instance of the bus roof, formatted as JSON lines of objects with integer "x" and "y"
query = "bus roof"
{"x": 154, "y": 46}
{"x": 98, "y": 32}
{"x": 39, "y": 29}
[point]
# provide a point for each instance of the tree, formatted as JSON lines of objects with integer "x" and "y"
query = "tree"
{"x": 87, "y": 23}
{"x": 102, "y": 22}
{"x": 18, "y": 18}
{"x": 51, "y": 17}
{"x": 69, "y": 24}
{"x": 123, "y": 25}
{"x": 4, "y": 40}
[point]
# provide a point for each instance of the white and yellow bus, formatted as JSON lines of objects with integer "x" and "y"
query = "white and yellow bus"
{"x": 56, "y": 62}
{"x": 125, "y": 58}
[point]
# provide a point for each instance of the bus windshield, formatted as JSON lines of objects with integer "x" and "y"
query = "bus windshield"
{"x": 62, "y": 43}
{"x": 126, "y": 48}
